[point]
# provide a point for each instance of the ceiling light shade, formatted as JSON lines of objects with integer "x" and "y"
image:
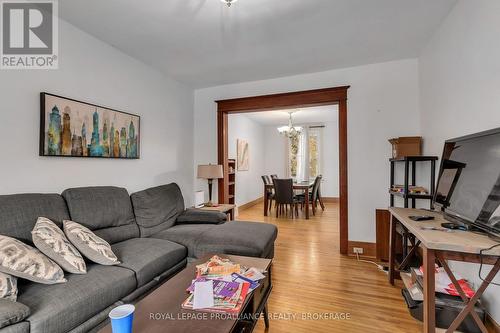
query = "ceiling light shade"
{"x": 228, "y": 2}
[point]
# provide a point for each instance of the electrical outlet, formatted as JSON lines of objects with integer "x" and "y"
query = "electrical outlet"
{"x": 358, "y": 250}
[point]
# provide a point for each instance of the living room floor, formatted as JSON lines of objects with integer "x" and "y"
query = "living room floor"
{"x": 310, "y": 276}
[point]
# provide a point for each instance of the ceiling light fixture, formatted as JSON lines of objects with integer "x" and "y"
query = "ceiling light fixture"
{"x": 290, "y": 131}
{"x": 228, "y": 2}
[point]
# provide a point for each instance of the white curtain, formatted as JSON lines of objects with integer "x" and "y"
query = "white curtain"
{"x": 303, "y": 156}
{"x": 288, "y": 165}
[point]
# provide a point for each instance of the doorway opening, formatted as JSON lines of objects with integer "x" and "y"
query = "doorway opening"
{"x": 285, "y": 101}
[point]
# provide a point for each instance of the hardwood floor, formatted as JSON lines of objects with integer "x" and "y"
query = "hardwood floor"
{"x": 311, "y": 278}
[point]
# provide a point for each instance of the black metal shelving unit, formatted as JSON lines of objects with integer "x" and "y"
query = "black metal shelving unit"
{"x": 407, "y": 162}
{"x": 412, "y": 161}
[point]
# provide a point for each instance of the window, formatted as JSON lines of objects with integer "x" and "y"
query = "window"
{"x": 296, "y": 154}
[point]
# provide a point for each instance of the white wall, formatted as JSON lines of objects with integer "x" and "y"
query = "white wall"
{"x": 459, "y": 83}
{"x": 330, "y": 164}
{"x": 275, "y": 152}
{"x": 249, "y": 184}
{"x": 93, "y": 71}
{"x": 383, "y": 103}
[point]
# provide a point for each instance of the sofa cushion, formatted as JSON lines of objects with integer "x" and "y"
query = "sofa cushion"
{"x": 52, "y": 242}
{"x": 19, "y": 212}
{"x": 254, "y": 239}
{"x": 105, "y": 210}
{"x": 22, "y": 327}
{"x": 91, "y": 246}
{"x": 189, "y": 235}
{"x": 12, "y": 312}
{"x": 157, "y": 208}
{"x": 62, "y": 307}
{"x": 21, "y": 260}
{"x": 149, "y": 257}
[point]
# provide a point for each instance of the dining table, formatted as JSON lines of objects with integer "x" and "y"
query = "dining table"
{"x": 303, "y": 186}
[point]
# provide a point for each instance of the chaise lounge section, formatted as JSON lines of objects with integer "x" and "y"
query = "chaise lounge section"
{"x": 152, "y": 234}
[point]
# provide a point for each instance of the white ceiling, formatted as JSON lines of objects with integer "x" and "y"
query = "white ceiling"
{"x": 317, "y": 114}
{"x": 204, "y": 43}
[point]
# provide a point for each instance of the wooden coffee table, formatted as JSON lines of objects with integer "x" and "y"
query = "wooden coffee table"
{"x": 161, "y": 311}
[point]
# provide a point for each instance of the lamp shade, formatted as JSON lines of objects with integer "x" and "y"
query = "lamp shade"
{"x": 210, "y": 171}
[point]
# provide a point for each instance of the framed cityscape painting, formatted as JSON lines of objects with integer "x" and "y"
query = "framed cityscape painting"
{"x": 77, "y": 129}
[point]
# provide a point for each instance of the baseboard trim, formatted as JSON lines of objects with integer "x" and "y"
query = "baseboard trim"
{"x": 250, "y": 204}
{"x": 491, "y": 324}
{"x": 369, "y": 249}
{"x": 330, "y": 199}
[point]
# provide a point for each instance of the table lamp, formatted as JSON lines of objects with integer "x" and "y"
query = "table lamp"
{"x": 210, "y": 172}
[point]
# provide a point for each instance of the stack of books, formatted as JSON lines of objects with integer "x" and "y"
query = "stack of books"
{"x": 221, "y": 286}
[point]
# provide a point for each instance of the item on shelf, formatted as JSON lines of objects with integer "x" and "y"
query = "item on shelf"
{"x": 199, "y": 199}
{"x": 406, "y": 146}
{"x": 217, "y": 266}
{"x": 443, "y": 282}
{"x": 411, "y": 189}
{"x": 447, "y": 309}
{"x": 412, "y": 286}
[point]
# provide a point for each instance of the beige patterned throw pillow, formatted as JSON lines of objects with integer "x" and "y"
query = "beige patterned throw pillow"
{"x": 89, "y": 244}
{"x": 52, "y": 241}
{"x": 8, "y": 287}
{"x": 21, "y": 260}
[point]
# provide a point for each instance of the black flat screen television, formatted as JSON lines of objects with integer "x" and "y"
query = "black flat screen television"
{"x": 468, "y": 187}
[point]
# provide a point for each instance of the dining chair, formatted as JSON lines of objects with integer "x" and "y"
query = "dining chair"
{"x": 314, "y": 195}
{"x": 274, "y": 176}
{"x": 285, "y": 198}
{"x": 270, "y": 194}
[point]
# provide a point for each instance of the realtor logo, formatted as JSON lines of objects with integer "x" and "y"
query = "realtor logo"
{"x": 29, "y": 37}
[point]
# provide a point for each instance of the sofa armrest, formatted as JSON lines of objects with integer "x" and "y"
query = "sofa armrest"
{"x": 199, "y": 216}
{"x": 12, "y": 312}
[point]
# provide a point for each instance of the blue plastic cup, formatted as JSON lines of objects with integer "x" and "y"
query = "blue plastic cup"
{"x": 121, "y": 318}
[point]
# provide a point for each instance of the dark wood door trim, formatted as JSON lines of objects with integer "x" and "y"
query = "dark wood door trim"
{"x": 299, "y": 99}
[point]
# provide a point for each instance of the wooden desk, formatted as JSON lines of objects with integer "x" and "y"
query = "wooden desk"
{"x": 301, "y": 186}
{"x": 456, "y": 245}
{"x": 223, "y": 208}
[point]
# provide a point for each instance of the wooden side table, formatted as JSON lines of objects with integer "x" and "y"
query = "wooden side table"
{"x": 223, "y": 208}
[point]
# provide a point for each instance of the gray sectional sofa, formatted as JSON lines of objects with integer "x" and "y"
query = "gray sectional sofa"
{"x": 152, "y": 234}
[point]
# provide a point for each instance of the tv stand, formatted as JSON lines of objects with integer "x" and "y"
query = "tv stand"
{"x": 442, "y": 246}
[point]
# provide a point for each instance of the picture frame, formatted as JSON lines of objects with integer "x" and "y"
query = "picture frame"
{"x": 243, "y": 156}
{"x": 73, "y": 128}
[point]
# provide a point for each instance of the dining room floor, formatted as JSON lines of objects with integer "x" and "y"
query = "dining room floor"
{"x": 318, "y": 290}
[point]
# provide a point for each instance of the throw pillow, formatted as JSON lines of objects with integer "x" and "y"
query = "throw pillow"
{"x": 89, "y": 244}
{"x": 21, "y": 260}
{"x": 12, "y": 313}
{"x": 8, "y": 287}
{"x": 52, "y": 241}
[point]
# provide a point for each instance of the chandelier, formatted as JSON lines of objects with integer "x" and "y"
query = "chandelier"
{"x": 290, "y": 131}
{"x": 228, "y": 2}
